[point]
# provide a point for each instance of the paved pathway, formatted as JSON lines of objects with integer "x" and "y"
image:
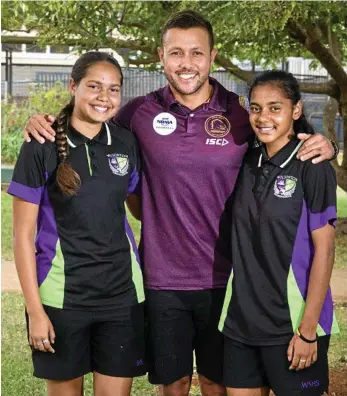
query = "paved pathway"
{"x": 10, "y": 282}
{"x": 339, "y": 284}
{"x": 9, "y": 278}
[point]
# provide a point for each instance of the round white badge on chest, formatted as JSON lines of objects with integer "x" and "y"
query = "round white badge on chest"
{"x": 164, "y": 124}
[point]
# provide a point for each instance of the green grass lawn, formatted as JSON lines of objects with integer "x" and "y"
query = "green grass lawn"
{"x": 341, "y": 202}
{"x": 6, "y": 226}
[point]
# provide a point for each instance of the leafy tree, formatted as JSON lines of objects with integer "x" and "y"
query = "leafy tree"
{"x": 263, "y": 32}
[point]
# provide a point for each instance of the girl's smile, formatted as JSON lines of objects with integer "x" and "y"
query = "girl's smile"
{"x": 272, "y": 116}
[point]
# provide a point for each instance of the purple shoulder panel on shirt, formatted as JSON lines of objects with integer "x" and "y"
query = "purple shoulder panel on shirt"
{"x": 302, "y": 258}
{"x": 47, "y": 234}
{"x": 29, "y": 194}
{"x": 133, "y": 181}
{"x": 46, "y": 239}
{"x": 130, "y": 235}
{"x": 319, "y": 220}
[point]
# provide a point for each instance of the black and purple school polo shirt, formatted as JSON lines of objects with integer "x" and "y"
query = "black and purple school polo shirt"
{"x": 191, "y": 159}
{"x": 86, "y": 256}
{"x": 277, "y": 203}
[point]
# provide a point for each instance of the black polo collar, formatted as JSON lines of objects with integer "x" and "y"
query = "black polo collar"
{"x": 75, "y": 138}
{"x": 284, "y": 156}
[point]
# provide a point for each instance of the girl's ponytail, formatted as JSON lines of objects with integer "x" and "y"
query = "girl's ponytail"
{"x": 67, "y": 179}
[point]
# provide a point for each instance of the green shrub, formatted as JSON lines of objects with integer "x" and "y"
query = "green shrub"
{"x": 15, "y": 115}
{"x": 13, "y": 121}
{"x": 51, "y": 100}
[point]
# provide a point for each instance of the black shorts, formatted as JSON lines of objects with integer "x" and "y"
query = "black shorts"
{"x": 110, "y": 342}
{"x": 178, "y": 323}
{"x": 248, "y": 366}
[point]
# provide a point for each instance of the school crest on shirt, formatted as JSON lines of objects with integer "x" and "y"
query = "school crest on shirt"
{"x": 285, "y": 186}
{"x": 119, "y": 163}
{"x": 217, "y": 126}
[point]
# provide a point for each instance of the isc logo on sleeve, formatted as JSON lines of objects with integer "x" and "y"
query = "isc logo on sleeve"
{"x": 216, "y": 142}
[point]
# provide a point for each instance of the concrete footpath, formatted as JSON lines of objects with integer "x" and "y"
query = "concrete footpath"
{"x": 10, "y": 282}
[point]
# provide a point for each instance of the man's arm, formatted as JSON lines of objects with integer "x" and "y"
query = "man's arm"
{"x": 317, "y": 147}
{"x": 39, "y": 126}
{"x": 134, "y": 205}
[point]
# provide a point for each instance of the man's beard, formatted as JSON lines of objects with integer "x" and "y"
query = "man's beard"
{"x": 192, "y": 90}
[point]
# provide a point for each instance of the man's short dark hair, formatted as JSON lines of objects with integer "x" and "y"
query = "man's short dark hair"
{"x": 185, "y": 20}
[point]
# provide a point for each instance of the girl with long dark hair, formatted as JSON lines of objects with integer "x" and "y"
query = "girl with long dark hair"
{"x": 80, "y": 274}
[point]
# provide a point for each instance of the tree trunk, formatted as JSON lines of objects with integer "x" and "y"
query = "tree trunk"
{"x": 330, "y": 110}
{"x": 343, "y": 112}
{"x": 341, "y": 176}
{"x": 342, "y": 171}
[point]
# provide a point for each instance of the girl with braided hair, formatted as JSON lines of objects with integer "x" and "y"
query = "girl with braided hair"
{"x": 80, "y": 274}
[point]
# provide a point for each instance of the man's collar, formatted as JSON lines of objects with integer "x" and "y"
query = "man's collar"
{"x": 75, "y": 138}
{"x": 217, "y": 102}
{"x": 284, "y": 156}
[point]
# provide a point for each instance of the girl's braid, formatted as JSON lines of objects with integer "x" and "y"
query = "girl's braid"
{"x": 67, "y": 179}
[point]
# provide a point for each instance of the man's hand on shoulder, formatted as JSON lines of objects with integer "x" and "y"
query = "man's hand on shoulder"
{"x": 316, "y": 146}
{"x": 40, "y": 128}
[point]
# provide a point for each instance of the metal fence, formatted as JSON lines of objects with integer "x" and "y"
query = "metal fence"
{"x": 138, "y": 82}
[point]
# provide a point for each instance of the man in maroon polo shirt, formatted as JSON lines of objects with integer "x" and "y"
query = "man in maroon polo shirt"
{"x": 193, "y": 135}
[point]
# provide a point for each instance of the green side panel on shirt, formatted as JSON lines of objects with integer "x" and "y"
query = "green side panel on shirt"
{"x": 320, "y": 331}
{"x": 297, "y": 306}
{"x": 137, "y": 275}
{"x": 334, "y": 327}
{"x": 226, "y": 304}
{"x": 53, "y": 287}
{"x": 295, "y": 300}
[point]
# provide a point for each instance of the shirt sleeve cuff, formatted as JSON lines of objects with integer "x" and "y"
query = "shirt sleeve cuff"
{"x": 320, "y": 219}
{"x": 29, "y": 194}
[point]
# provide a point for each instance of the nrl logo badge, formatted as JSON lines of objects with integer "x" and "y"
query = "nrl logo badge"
{"x": 119, "y": 164}
{"x": 285, "y": 186}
